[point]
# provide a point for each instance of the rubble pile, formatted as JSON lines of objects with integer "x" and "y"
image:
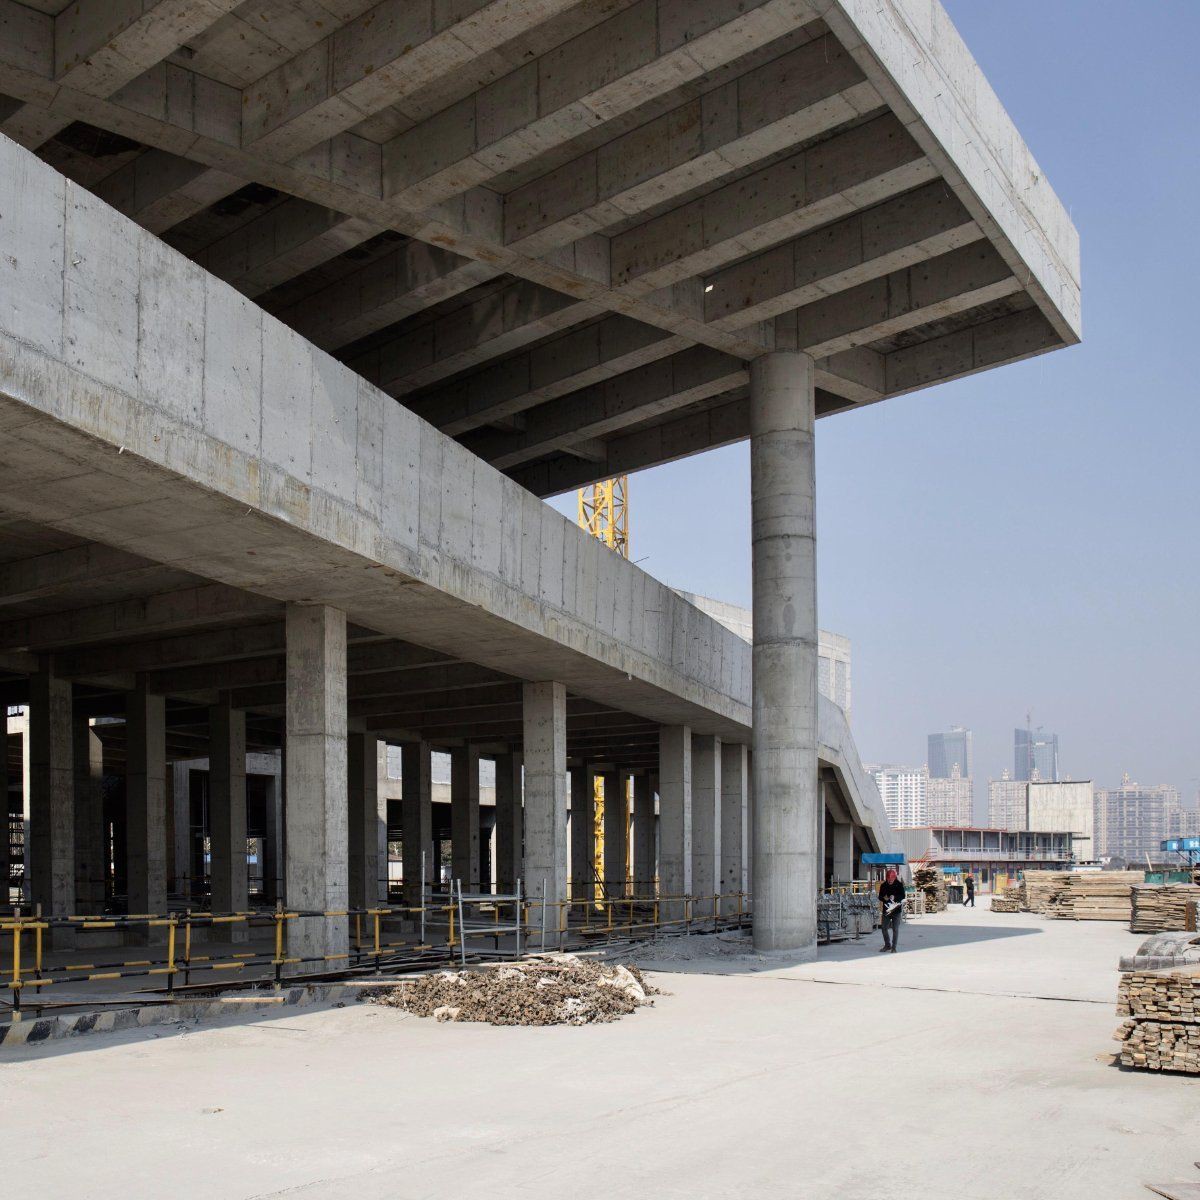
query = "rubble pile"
{"x": 558, "y": 989}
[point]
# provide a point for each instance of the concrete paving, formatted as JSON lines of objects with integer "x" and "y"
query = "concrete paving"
{"x": 932, "y": 1073}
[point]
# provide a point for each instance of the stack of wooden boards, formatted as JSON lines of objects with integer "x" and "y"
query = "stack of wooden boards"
{"x": 1158, "y": 908}
{"x": 1093, "y": 896}
{"x": 1040, "y": 886}
{"x": 932, "y": 883}
{"x": 1010, "y": 901}
{"x": 1162, "y": 1032}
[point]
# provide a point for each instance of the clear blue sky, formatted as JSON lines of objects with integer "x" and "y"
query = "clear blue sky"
{"x": 1028, "y": 538}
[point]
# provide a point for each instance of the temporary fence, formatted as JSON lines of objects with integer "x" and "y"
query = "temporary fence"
{"x": 514, "y": 923}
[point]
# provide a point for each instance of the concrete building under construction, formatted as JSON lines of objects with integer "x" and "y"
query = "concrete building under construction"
{"x": 305, "y": 309}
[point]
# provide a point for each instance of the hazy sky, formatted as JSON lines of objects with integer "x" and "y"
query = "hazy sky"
{"x": 1026, "y": 539}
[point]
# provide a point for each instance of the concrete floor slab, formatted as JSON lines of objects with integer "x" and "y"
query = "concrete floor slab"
{"x": 931, "y": 1073}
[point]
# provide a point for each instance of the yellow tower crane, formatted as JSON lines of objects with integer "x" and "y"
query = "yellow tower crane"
{"x": 604, "y": 513}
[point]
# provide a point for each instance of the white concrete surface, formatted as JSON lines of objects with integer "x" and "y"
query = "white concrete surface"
{"x": 934, "y": 1073}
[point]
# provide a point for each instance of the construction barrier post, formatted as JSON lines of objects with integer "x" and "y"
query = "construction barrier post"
{"x": 187, "y": 948}
{"x": 376, "y": 932}
{"x": 171, "y": 955}
{"x": 16, "y": 975}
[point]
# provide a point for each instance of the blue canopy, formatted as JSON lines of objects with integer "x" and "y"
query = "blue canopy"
{"x": 893, "y": 858}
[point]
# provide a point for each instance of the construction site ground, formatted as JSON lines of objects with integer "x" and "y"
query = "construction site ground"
{"x": 978, "y": 1060}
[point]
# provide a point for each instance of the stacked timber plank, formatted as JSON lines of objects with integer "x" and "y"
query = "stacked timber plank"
{"x": 1160, "y": 907}
{"x": 1010, "y": 901}
{"x": 1162, "y": 1032}
{"x": 1040, "y": 886}
{"x": 932, "y": 883}
{"x": 1093, "y": 896}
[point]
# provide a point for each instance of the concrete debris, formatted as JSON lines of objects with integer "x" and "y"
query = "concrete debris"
{"x": 558, "y": 989}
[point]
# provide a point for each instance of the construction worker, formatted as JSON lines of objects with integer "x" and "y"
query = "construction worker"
{"x": 970, "y": 897}
{"x": 891, "y": 904}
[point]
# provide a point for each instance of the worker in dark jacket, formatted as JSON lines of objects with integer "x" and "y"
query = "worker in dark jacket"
{"x": 970, "y": 897}
{"x": 891, "y": 904}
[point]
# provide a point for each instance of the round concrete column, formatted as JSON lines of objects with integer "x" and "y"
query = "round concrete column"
{"x": 785, "y": 653}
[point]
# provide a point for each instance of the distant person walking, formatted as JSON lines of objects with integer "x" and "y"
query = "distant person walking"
{"x": 970, "y": 898}
{"x": 891, "y": 904}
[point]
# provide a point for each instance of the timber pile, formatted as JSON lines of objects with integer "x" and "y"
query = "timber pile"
{"x": 1162, "y": 1032}
{"x": 932, "y": 883}
{"x": 556, "y": 990}
{"x": 1093, "y": 896}
{"x": 1040, "y": 886}
{"x": 1008, "y": 902}
{"x": 1160, "y": 907}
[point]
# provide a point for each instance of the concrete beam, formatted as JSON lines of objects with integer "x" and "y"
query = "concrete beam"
{"x": 63, "y": 570}
{"x": 376, "y": 61}
{"x": 794, "y": 97}
{"x": 187, "y": 608}
{"x": 601, "y": 410}
{"x": 287, "y": 240}
{"x": 641, "y": 54}
{"x": 851, "y": 170}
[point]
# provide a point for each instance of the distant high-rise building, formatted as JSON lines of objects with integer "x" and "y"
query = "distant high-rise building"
{"x": 949, "y": 801}
{"x": 1182, "y": 822}
{"x": 1035, "y": 755}
{"x": 948, "y": 750}
{"x": 1131, "y": 820}
{"x": 902, "y": 790}
{"x": 1007, "y": 802}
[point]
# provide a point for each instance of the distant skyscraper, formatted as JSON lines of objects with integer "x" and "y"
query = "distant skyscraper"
{"x": 1035, "y": 751}
{"x": 902, "y": 790}
{"x": 1132, "y": 820}
{"x": 949, "y": 801}
{"x": 947, "y": 750}
{"x": 1007, "y": 802}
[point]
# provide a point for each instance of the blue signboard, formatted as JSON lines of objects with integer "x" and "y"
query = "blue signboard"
{"x": 893, "y": 858}
{"x": 1180, "y": 844}
{"x": 951, "y": 870}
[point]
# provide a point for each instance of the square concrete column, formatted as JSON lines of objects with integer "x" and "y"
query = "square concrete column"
{"x": 843, "y": 852}
{"x": 273, "y": 889}
{"x": 227, "y": 816}
{"x": 316, "y": 775}
{"x": 643, "y": 836}
{"x": 52, "y": 798}
{"x": 367, "y": 824}
{"x": 179, "y": 853}
{"x": 674, "y": 818}
{"x": 146, "y": 800}
{"x": 735, "y": 785}
{"x": 782, "y": 485}
{"x": 545, "y": 760}
{"x": 416, "y": 808}
{"x": 583, "y": 833}
{"x": 464, "y": 816}
{"x": 706, "y": 821}
{"x": 91, "y": 859}
{"x": 616, "y": 832}
{"x": 509, "y": 822}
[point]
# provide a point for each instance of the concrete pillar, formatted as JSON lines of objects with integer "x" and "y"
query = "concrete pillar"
{"x": 91, "y": 858}
{"x": 227, "y": 816}
{"x": 416, "y": 807}
{"x": 583, "y": 833}
{"x": 843, "y": 852}
{"x": 643, "y": 836}
{"x": 179, "y": 855}
{"x": 509, "y": 821}
{"x": 464, "y": 816}
{"x": 316, "y": 776}
{"x": 674, "y": 818}
{"x": 545, "y": 759}
{"x": 706, "y": 821}
{"x": 6, "y": 863}
{"x": 273, "y": 842}
{"x": 367, "y": 823}
{"x": 146, "y": 800}
{"x": 782, "y": 486}
{"x": 616, "y": 832}
{"x": 52, "y": 798}
{"x": 735, "y": 768}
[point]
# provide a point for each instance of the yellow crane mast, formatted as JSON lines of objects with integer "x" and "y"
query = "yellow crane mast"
{"x": 604, "y": 513}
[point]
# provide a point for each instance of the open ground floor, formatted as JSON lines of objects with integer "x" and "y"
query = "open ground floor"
{"x": 977, "y": 1061}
